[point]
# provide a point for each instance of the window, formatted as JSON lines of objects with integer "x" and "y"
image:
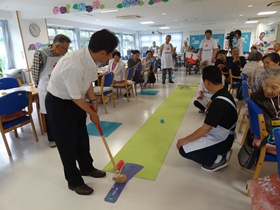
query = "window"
{"x": 3, "y": 56}
{"x": 67, "y": 32}
{"x": 6, "y": 59}
{"x": 84, "y": 38}
{"x": 128, "y": 44}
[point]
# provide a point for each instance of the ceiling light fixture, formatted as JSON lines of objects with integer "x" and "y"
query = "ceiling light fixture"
{"x": 147, "y": 22}
{"x": 267, "y": 13}
{"x": 250, "y": 5}
{"x": 107, "y": 11}
{"x": 163, "y": 13}
{"x": 252, "y": 21}
{"x": 165, "y": 27}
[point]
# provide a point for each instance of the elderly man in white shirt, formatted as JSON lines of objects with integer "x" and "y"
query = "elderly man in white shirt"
{"x": 208, "y": 48}
{"x": 69, "y": 85}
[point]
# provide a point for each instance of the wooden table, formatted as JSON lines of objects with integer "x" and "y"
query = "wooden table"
{"x": 35, "y": 97}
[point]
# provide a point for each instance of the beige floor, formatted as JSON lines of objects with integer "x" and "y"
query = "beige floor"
{"x": 33, "y": 179}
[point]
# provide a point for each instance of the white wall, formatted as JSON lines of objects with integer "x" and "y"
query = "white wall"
{"x": 20, "y": 42}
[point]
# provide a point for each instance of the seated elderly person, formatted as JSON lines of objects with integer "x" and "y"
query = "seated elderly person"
{"x": 134, "y": 61}
{"x": 254, "y": 67}
{"x": 270, "y": 61}
{"x": 117, "y": 66}
{"x": 268, "y": 99}
{"x": 221, "y": 63}
{"x": 146, "y": 66}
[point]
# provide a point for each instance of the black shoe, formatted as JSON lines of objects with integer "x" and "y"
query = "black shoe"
{"x": 126, "y": 95}
{"x": 163, "y": 83}
{"x": 96, "y": 173}
{"x": 171, "y": 81}
{"x": 82, "y": 189}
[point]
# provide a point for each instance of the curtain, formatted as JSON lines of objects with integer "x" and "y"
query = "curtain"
{"x": 8, "y": 62}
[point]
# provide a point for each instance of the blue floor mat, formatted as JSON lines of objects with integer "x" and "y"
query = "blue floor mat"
{"x": 107, "y": 127}
{"x": 148, "y": 92}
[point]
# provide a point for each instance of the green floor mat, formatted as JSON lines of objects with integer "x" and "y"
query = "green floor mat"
{"x": 150, "y": 144}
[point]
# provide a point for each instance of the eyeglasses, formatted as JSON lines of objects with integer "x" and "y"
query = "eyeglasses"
{"x": 66, "y": 49}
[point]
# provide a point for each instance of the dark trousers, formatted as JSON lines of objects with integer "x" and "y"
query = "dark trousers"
{"x": 207, "y": 156}
{"x": 49, "y": 132}
{"x": 199, "y": 105}
{"x": 164, "y": 74}
{"x": 68, "y": 126}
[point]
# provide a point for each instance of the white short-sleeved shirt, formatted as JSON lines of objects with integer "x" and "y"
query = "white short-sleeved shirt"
{"x": 239, "y": 45}
{"x": 73, "y": 75}
{"x": 260, "y": 47}
{"x": 207, "y": 47}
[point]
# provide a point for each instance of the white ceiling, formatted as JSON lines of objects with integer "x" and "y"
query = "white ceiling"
{"x": 187, "y": 15}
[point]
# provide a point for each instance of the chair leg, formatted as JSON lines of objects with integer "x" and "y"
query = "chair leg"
{"x": 6, "y": 144}
{"x": 16, "y": 133}
{"x": 240, "y": 107}
{"x": 33, "y": 128}
{"x": 241, "y": 123}
{"x": 127, "y": 94}
{"x": 112, "y": 98}
{"x": 104, "y": 104}
{"x": 135, "y": 88}
{"x": 245, "y": 132}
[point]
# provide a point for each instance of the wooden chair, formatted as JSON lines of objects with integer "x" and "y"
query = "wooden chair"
{"x": 127, "y": 84}
{"x": 9, "y": 82}
{"x": 257, "y": 126}
{"x": 105, "y": 90}
{"x": 276, "y": 134}
{"x": 14, "y": 115}
{"x": 234, "y": 82}
{"x": 246, "y": 89}
{"x": 137, "y": 69}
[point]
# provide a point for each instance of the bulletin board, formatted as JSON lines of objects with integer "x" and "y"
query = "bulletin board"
{"x": 196, "y": 39}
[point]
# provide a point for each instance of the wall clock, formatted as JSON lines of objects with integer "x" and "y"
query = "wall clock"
{"x": 34, "y": 29}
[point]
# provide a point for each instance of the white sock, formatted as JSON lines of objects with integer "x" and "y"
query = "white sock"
{"x": 219, "y": 158}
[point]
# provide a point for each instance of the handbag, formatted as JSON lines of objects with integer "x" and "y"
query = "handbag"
{"x": 248, "y": 154}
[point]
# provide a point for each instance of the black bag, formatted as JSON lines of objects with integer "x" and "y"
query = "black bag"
{"x": 152, "y": 78}
{"x": 248, "y": 154}
{"x": 138, "y": 79}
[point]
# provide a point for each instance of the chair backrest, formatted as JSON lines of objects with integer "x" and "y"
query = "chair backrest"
{"x": 108, "y": 79}
{"x": 14, "y": 102}
{"x": 256, "y": 118}
{"x": 130, "y": 73}
{"x": 244, "y": 76}
{"x": 8, "y": 82}
{"x": 276, "y": 134}
{"x": 246, "y": 89}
